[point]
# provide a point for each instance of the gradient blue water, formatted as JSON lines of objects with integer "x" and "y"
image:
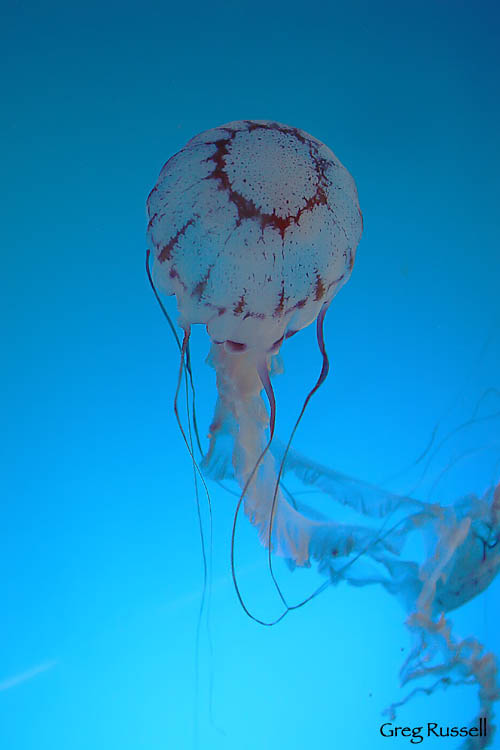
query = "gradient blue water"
{"x": 100, "y": 568}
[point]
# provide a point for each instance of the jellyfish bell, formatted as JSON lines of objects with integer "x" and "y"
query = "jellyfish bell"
{"x": 253, "y": 227}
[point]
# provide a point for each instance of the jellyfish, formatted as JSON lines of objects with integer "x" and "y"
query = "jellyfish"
{"x": 254, "y": 227}
{"x": 462, "y": 559}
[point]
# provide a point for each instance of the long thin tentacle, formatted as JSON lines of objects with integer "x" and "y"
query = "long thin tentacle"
{"x": 185, "y": 368}
{"x": 187, "y": 362}
{"x": 266, "y": 383}
{"x": 325, "y": 367}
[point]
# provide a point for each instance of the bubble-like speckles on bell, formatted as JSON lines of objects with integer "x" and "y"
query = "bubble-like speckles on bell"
{"x": 273, "y": 193}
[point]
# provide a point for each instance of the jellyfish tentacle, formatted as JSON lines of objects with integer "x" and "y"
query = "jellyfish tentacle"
{"x": 463, "y": 662}
{"x": 474, "y": 419}
{"x": 188, "y": 369}
{"x": 185, "y": 365}
{"x": 265, "y": 379}
{"x": 205, "y": 601}
{"x": 248, "y": 441}
{"x": 365, "y": 498}
{"x": 189, "y": 445}
{"x": 325, "y": 366}
{"x": 293, "y": 536}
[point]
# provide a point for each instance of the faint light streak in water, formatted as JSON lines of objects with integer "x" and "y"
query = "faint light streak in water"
{"x": 18, "y": 679}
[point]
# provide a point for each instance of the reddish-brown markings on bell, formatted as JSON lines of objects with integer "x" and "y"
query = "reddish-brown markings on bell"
{"x": 166, "y": 251}
{"x": 200, "y": 286}
{"x": 238, "y": 309}
{"x": 319, "y": 289}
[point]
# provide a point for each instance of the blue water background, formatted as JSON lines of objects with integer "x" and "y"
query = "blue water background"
{"x": 100, "y": 562}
